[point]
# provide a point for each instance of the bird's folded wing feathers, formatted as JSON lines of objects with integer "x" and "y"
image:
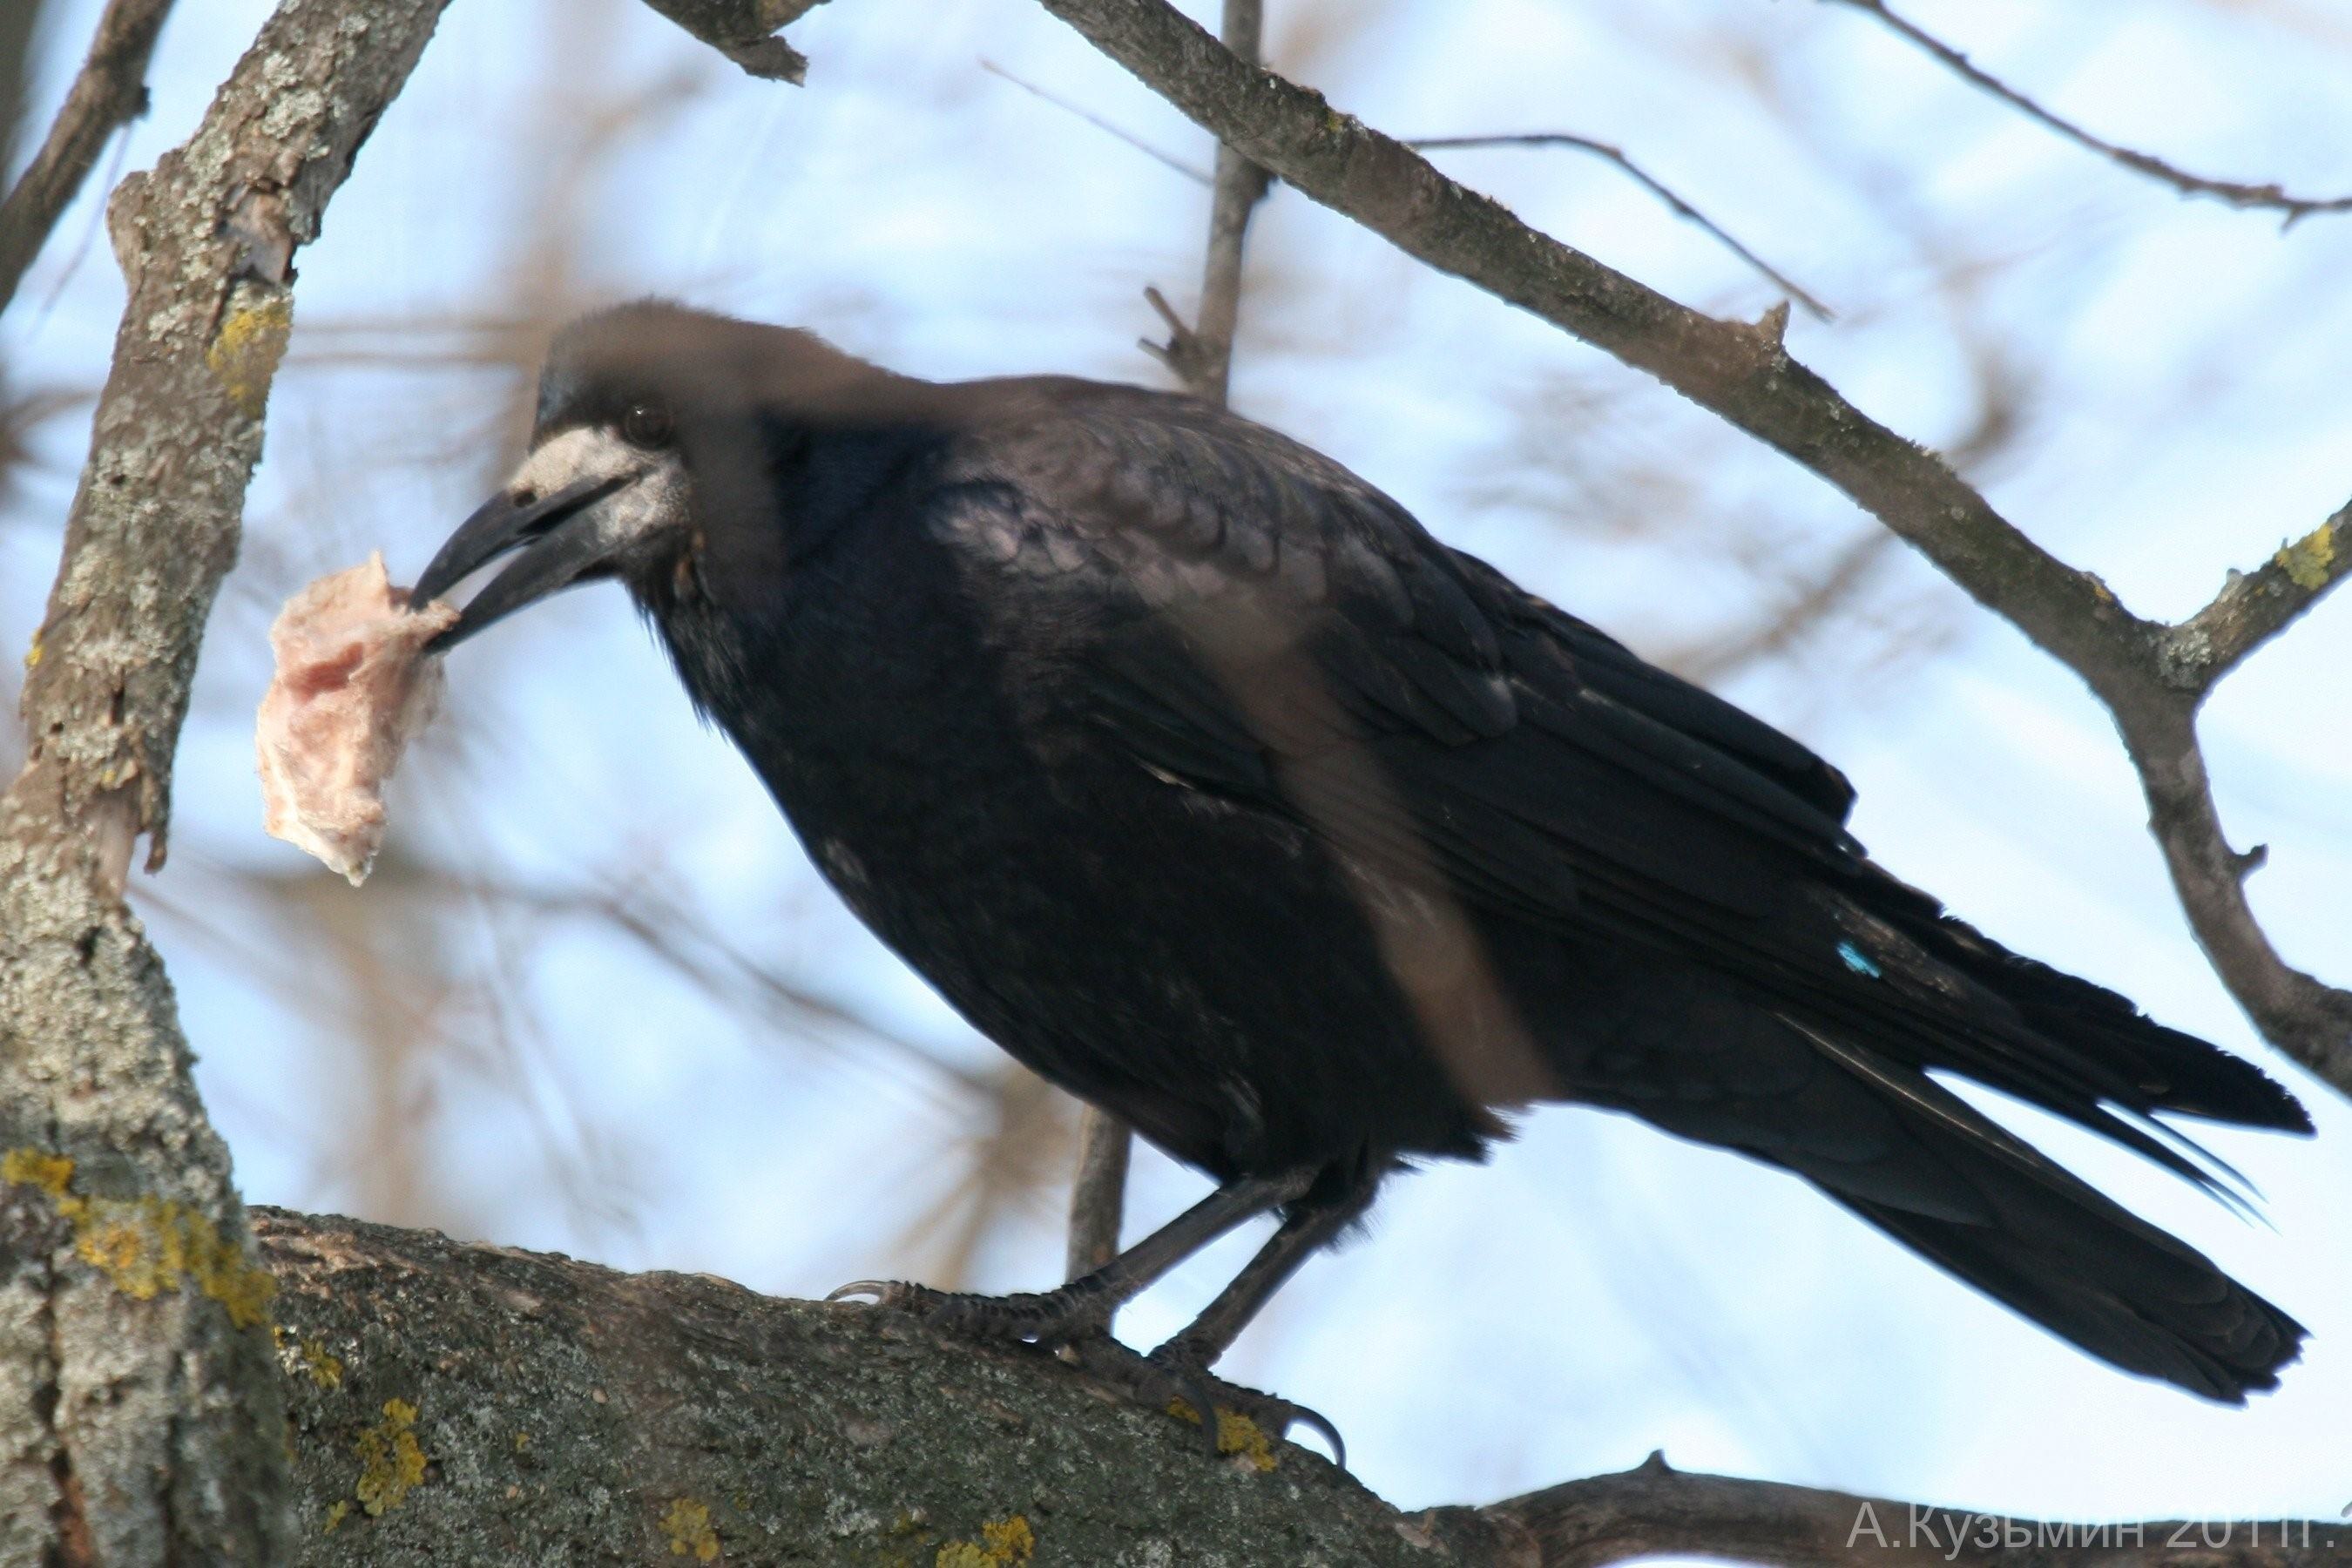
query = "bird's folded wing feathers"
{"x": 1282, "y": 634}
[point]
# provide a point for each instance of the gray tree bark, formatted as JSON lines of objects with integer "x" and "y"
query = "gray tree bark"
{"x": 140, "y": 1417}
{"x": 477, "y": 1405}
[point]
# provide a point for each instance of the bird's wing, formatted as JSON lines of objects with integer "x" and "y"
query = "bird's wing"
{"x": 1243, "y": 616}
{"x": 1263, "y": 621}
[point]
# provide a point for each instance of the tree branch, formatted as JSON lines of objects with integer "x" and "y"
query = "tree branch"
{"x": 745, "y": 32}
{"x": 139, "y": 1423}
{"x": 467, "y": 1405}
{"x": 1640, "y": 176}
{"x": 2255, "y": 606}
{"x": 2149, "y": 674}
{"x": 558, "y": 1411}
{"x": 1657, "y": 1510}
{"x": 1097, "y": 1191}
{"x": 109, "y": 93}
{"x": 1202, "y": 355}
{"x": 2235, "y": 193}
{"x": 1164, "y": 159}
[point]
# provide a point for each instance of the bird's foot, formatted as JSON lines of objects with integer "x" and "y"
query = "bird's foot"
{"x": 1233, "y": 1419}
{"x": 1047, "y": 1318}
{"x": 1074, "y": 1321}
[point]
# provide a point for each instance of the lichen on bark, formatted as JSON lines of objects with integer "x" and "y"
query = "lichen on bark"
{"x": 563, "y": 1413}
{"x": 139, "y": 1419}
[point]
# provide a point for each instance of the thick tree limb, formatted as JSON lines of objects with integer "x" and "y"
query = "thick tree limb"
{"x": 2150, "y": 675}
{"x": 2236, "y": 193}
{"x": 110, "y": 92}
{"x": 465, "y": 1406}
{"x": 139, "y": 1420}
{"x": 559, "y": 1412}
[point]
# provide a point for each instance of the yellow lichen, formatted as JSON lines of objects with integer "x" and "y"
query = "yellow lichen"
{"x": 33, "y": 654}
{"x": 1236, "y": 1434}
{"x": 246, "y": 351}
{"x": 688, "y": 1526}
{"x": 391, "y": 1459}
{"x": 523, "y": 1441}
{"x": 145, "y": 1245}
{"x": 2310, "y": 561}
{"x": 325, "y": 1367}
{"x": 37, "y": 1168}
{"x": 1003, "y": 1543}
{"x": 335, "y": 1514}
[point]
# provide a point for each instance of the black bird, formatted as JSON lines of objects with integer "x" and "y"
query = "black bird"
{"x": 1200, "y": 777}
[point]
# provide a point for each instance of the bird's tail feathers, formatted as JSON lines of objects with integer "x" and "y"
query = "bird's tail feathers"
{"x": 2048, "y": 1246}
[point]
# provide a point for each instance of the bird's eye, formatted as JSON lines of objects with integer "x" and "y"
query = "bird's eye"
{"x": 646, "y": 425}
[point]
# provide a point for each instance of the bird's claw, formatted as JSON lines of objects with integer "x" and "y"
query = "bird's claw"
{"x": 1158, "y": 1381}
{"x": 1278, "y": 1415}
{"x": 1074, "y": 1324}
{"x": 1270, "y": 1412}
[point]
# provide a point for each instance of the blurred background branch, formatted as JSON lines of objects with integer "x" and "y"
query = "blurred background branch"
{"x": 111, "y": 91}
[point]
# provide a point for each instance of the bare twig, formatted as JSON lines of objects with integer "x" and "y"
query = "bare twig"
{"x": 1098, "y": 1192}
{"x": 1202, "y": 356}
{"x": 2255, "y": 606}
{"x": 1098, "y": 122}
{"x": 2148, "y": 673}
{"x": 110, "y": 92}
{"x": 745, "y": 32}
{"x": 1655, "y": 1510}
{"x": 1665, "y": 194}
{"x": 2235, "y": 193}
{"x": 1817, "y": 598}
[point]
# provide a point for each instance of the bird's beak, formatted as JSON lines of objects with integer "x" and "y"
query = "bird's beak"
{"x": 565, "y": 510}
{"x": 560, "y": 541}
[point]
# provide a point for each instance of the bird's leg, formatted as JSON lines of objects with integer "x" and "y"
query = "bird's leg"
{"x": 1083, "y": 1307}
{"x": 1180, "y": 1369}
{"x": 1188, "y": 1356}
{"x": 1221, "y": 1322}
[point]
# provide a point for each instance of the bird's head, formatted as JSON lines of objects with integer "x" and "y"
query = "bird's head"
{"x": 652, "y": 459}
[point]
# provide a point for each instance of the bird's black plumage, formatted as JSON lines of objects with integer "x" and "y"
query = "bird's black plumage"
{"x": 1200, "y": 777}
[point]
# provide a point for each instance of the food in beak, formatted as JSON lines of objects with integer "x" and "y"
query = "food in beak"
{"x": 352, "y": 688}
